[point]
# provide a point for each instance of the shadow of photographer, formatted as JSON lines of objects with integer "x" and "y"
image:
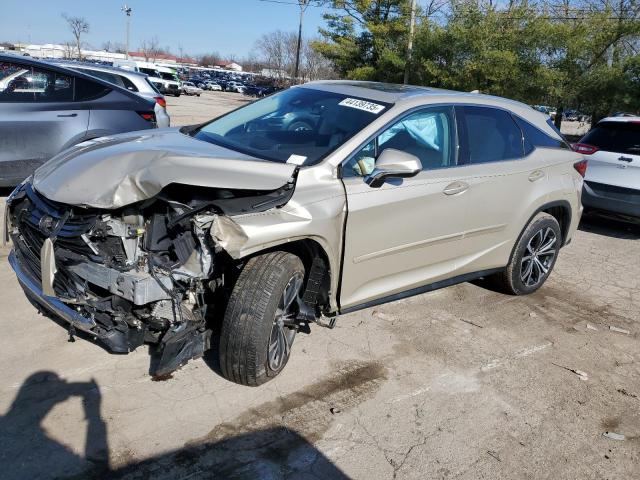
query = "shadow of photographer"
{"x": 28, "y": 451}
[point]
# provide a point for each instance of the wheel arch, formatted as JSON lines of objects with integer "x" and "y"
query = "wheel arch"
{"x": 561, "y": 211}
{"x": 558, "y": 209}
{"x": 308, "y": 250}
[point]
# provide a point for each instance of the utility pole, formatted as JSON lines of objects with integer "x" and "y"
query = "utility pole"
{"x": 412, "y": 23}
{"x": 303, "y": 6}
{"x": 127, "y": 11}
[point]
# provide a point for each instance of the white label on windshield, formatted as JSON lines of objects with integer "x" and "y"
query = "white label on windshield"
{"x": 296, "y": 159}
{"x": 362, "y": 105}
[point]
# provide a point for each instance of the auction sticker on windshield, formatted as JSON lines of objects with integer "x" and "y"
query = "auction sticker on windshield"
{"x": 362, "y": 105}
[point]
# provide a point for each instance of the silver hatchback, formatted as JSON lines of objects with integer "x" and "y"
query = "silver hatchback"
{"x": 46, "y": 108}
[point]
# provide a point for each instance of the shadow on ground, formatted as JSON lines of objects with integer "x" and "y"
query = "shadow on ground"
{"x": 29, "y": 451}
{"x": 601, "y": 224}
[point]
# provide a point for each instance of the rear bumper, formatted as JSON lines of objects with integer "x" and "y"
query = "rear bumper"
{"x": 58, "y": 309}
{"x": 600, "y": 196}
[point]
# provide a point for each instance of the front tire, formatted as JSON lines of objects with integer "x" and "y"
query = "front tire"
{"x": 259, "y": 324}
{"x": 533, "y": 258}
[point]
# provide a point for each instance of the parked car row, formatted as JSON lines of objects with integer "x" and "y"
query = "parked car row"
{"x": 570, "y": 115}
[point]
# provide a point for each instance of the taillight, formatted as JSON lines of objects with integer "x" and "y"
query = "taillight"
{"x": 161, "y": 101}
{"x": 584, "y": 149}
{"x": 148, "y": 116}
{"x": 581, "y": 167}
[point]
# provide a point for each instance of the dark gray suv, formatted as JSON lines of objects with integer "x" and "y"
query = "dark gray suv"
{"x": 45, "y": 109}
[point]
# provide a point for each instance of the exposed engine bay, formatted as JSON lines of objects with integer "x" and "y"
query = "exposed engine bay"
{"x": 151, "y": 272}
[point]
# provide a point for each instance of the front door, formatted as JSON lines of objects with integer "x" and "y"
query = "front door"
{"x": 406, "y": 233}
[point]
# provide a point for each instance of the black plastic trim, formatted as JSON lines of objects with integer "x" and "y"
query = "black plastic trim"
{"x": 558, "y": 203}
{"x": 423, "y": 289}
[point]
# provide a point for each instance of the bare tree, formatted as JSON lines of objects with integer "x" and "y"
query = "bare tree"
{"x": 278, "y": 50}
{"x": 314, "y": 65}
{"x": 209, "y": 59}
{"x": 150, "y": 48}
{"x": 68, "y": 50}
{"x": 278, "y": 54}
{"x": 78, "y": 26}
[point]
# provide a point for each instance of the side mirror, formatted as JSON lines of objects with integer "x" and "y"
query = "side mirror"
{"x": 392, "y": 163}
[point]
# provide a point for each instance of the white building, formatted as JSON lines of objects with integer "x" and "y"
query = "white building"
{"x": 54, "y": 50}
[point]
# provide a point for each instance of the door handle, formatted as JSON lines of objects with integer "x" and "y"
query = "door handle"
{"x": 68, "y": 115}
{"x": 536, "y": 175}
{"x": 455, "y": 188}
{"x": 625, "y": 159}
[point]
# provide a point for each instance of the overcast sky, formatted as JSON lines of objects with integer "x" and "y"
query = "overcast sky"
{"x": 200, "y": 26}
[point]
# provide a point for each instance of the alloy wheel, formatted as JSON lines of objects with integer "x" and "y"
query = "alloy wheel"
{"x": 284, "y": 329}
{"x": 538, "y": 257}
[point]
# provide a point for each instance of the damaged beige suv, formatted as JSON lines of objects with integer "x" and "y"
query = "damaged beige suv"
{"x": 321, "y": 200}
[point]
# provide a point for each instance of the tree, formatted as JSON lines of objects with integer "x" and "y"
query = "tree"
{"x": 580, "y": 54}
{"x": 78, "y": 26}
{"x": 278, "y": 49}
{"x": 366, "y": 39}
{"x": 209, "y": 59}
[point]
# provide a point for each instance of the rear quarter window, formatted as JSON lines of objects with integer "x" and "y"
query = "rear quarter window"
{"x": 534, "y": 137}
{"x": 153, "y": 86}
{"x": 618, "y": 137}
{"x": 88, "y": 90}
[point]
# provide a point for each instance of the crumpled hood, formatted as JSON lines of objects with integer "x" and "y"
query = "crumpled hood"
{"x": 111, "y": 172}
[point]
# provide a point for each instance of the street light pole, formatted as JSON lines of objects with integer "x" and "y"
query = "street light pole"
{"x": 412, "y": 23}
{"x": 303, "y": 6}
{"x": 127, "y": 11}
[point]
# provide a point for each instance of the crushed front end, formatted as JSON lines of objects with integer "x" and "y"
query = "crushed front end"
{"x": 144, "y": 273}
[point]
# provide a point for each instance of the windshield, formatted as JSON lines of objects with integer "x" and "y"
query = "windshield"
{"x": 300, "y": 125}
{"x": 152, "y": 72}
{"x": 168, "y": 76}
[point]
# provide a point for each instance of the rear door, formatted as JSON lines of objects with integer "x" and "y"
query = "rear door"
{"x": 617, "y": 160}
{"x": 38, "y": 118}
{"x": 502, "y": 181}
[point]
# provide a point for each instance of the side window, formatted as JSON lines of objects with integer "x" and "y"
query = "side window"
{"x": 107, "y": 77}
{"x": 428, "y": 134}
{"x": 128, "y": 84}
{"x": 487, "y": 135}
{"x": 88, "y": 90}
{"x": 534, "y": 137}
{"x": 23, "y": 83}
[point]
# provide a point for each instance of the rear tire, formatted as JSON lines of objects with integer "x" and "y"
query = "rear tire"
{"x": 533, "y": 257}
{"x": 258, "y": 329}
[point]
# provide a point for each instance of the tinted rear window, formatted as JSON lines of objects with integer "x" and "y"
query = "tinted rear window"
{"x": 87, "y": 90}
{"x": 534, "y": 137}
{"x": 487, "y": 135}
{"x": 618, "y": 137}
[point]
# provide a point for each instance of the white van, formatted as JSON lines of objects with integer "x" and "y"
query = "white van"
{"x": 164, "y": 78}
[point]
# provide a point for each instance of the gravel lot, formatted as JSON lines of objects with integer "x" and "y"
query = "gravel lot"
{"x": 458, "y": 383}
